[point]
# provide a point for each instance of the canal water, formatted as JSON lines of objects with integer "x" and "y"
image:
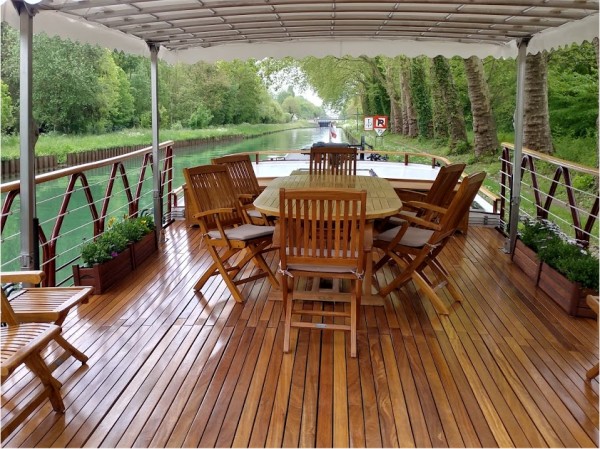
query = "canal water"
{"x": 77, "y": 229}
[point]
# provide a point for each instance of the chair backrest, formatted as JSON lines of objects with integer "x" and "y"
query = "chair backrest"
{"x": 322, "y": 227}
{"x": 210, "y": 189}
{"x": 333, "y": 160}
{"x": 442, "y": 189}
{"x": 460, "y": 205}
{"x": 241, "y": 173}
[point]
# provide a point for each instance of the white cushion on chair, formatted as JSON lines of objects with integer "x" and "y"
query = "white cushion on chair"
{"x": 244, "y": 232}
{"x": 254, "y": 213}
{"x": 414, "y": 237}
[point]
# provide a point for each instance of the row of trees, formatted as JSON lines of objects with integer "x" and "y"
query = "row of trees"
{"x": 85, "y": 89}
{"x": 440, "y": 98}
{"x": 80, "y": 89}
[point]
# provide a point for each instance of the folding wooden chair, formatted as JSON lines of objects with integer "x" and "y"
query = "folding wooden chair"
{"x": 23, "y": 344}
{"x": 223, "y": 229}
{"x": 322, "y": 234}
{"x": 416, "y": 244}
{"x": 245, "y": 186}
{"x": 42, "y": 304}
{"x": 333, "y": 160}
{"x": 440, "y": 194}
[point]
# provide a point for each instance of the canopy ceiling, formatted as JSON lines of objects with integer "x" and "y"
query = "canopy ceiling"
{"x": 192, "y": 30}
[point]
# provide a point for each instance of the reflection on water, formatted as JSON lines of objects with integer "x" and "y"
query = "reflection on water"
{"x": 76, "y": 227}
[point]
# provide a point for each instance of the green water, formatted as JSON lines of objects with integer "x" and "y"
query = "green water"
{"x": 77, "y": 224}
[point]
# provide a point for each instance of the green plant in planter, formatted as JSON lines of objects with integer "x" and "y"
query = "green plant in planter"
{"x": 134, "y": 229}
{"x": 115, "y": 239}
{"x": 575, "y": 263}
{"x": 533, "y": 233}
{"x": 104, "y": 248}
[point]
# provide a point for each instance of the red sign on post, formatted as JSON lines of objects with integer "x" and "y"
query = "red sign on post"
{"x": 380, "y": 123}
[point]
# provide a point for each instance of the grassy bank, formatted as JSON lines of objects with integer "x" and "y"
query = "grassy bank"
{"x": 61, "y": 144}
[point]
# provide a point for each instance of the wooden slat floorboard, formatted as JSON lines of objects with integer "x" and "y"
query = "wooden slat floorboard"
{"x": 171, "y": 367}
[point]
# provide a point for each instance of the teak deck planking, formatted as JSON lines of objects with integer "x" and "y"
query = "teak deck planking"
{"x": 172, "y": 367}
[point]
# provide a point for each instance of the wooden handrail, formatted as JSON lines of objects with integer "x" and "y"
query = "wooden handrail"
{"x": 14, "y": 185}
{"x": 556, "y": 161}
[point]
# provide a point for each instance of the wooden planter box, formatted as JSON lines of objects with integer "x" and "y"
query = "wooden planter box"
{"x": 526, "y": 259}
{"x": 143, "y": 249}
{"x": 568, "y": 295}
{"x": 102, "y": 276}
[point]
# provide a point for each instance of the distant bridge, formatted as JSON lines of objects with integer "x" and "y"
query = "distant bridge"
{"x": 326, "y": 121}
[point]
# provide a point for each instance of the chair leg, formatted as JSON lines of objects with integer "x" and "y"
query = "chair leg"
{"x": 36, "y": 364}
{"x": 354, "y": 320}
{"x": 439, "y": 306}
{"x": 288, "y": 304}
{"x": 592, "y": 372}
{"x": 71, "y": 349}
{"x": 260, "y": 261}
{"x": 441, "y": 273}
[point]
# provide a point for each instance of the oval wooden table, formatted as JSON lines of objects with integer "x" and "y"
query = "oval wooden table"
{"x": 382, "y": 201}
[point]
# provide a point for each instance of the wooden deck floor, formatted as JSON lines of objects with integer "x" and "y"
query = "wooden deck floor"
{"x": 171, "y": 367}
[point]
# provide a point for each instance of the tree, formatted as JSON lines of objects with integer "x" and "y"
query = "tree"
{"x": 484, "y": 127}
{"x": 409, "y": 113}
{"x": 67, "y": 95}
{"x": 7, "y": 117}
{"x": 421, "y": 96}
{"x": 573, "y": 91}
{"x": 386, "y": 72}
{"x": 449, "y": 120}
{"x": 536, "y": 119}
{"x": 291, "y": 105}
{"x": 201, "y": 118}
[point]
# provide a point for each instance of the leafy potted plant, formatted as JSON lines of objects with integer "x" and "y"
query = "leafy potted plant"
{"x": 568, "y": 274}
{"x": 116, "y": 252}
{"x": 141, "y": 233}
{"x": 531, "y": 234}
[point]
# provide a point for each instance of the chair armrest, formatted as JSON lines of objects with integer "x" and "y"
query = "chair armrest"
{"x": 427, "y": 206}
{"x": 419, "y": 221}
{"x": 223, "y": 210}
{"x": 247, "y": 196}
{"x": 32, "y": 277}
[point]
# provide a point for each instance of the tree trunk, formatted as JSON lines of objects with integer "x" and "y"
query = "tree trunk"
{"x": 484, "y": 126}
{"x": 411, "y": 129}
{"x": 457, "y": 130}
{"x": 438, "y": 94}
{"x": 421, "y": 96}
{"x": 536, "y": 121}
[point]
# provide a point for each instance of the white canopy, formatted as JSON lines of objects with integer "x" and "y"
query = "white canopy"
{"x": 210, "y": 30}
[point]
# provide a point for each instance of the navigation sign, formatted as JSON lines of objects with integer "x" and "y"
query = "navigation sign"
{"x": 380, "y": 124}
{"x": 368, "y": 123}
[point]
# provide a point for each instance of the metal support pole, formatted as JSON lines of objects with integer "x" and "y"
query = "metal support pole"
{"x": 515, "y": 188}
{"x": 156, "y": 192}
{"x": 27, "y": 151}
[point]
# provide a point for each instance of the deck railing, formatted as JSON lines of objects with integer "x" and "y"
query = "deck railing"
{"x": 554, "y": 189}
{"x": 78, "y": 201}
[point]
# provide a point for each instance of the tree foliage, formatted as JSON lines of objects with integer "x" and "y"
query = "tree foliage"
{"x": 7, "y": 112}
{"x": 421, "y": 96}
